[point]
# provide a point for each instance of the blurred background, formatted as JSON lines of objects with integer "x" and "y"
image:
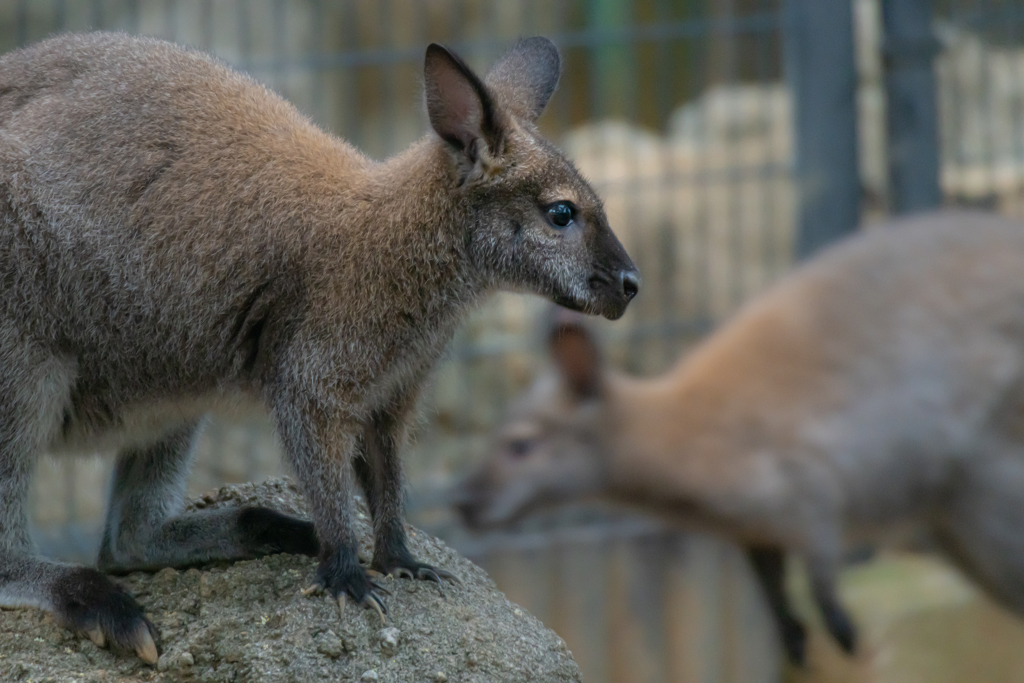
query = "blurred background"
{"x": 729, "y": 138}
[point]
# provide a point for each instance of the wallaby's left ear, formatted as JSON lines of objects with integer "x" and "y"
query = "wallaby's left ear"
{"x": 526, "y": 76}
{"x": 461, "y": 108}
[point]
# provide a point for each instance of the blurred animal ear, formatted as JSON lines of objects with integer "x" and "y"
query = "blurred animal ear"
{"x": 526, "y": 76}
{"x": 461, "y": 109}
{"x": 576, "y": 354}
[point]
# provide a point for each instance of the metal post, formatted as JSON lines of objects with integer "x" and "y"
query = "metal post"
{"x": 912, "y": 114}
{"x": 612, "y": 85}
{"x": 822, "y": 75}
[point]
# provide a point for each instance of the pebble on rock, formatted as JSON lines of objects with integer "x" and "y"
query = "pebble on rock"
{"x": 389, "y": 641}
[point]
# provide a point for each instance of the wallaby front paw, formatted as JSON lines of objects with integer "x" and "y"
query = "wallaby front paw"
{"x": 341, "y": 579}
{"x": 408, "y": 568}
{"x": 88, "y": 602}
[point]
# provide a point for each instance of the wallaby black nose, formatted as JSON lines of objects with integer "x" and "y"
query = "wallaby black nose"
{"x": 629, "y": 284}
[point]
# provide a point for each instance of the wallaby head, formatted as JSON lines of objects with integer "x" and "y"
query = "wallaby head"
{"x": 551, "y": 448}
{"x": 533, "y": 223}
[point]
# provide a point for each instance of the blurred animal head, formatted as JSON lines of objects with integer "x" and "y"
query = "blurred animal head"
{"x": 549, "y": 448}
{"x": 535, "y": 225}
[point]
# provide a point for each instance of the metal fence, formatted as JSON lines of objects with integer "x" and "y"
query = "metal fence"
{"x": 682, "y": 114}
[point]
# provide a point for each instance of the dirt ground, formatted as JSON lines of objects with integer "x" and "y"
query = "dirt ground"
{"x": 248, "y": 621}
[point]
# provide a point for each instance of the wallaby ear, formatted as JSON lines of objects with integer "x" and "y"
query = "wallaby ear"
{"x": 576, "y": 354}
{"x": 460, "y": 106}
{"x": 526, "y": 76}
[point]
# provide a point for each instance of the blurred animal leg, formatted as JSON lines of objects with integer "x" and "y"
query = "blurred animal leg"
{"x": 146, "y": 530}
{"x": 822, "y": 572}
{"x": 770, "y": 568}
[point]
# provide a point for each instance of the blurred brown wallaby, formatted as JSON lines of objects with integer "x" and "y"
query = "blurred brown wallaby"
{"x": 879, "y": 387}
{"x": 175, "y": 238}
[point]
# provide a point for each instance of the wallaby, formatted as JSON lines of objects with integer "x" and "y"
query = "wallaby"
{"x": 878, "y": 386}
{"x": 175, "y": 238}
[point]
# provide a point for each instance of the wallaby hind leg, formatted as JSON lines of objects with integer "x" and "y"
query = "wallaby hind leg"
{"x": 81, "y": 599}
{"x": 980, "y": 525}
{"x": 770, "y": 568}
{"x": 379, "y": 473}
{"x": 145, "y": 530}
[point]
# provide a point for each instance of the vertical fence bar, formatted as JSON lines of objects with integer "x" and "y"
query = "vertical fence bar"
{"x": 822, "y": 73}
{"x": 96, "y": 17}
{"x": 912, "y": 112}
{"x": 21, "y": 21}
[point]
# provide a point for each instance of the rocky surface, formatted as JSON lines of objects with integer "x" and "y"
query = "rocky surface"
{"x": 249, "y": 621}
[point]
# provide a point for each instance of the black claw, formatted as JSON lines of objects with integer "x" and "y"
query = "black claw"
{"x": 448, "y": 576}
{"x": 371, "y": 599}
{"x": 428, "y": 574}
{"x": 405, "y": 567}
{"x": 342, "y": 575}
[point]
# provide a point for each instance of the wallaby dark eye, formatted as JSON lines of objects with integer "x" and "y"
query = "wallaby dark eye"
{"x": 519, "y": 447}
{"x": 561, "y": 214}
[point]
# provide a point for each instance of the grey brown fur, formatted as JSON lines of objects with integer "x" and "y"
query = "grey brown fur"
{"x": 876, "y": 391}
{"x": 176, "y": 239}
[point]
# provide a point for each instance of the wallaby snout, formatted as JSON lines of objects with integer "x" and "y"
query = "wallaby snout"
{"x": 614, "y": 285}
{"x": 613, "y": 281}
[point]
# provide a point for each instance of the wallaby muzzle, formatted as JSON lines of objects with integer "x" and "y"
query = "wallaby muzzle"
{"x": 614, "y": 283}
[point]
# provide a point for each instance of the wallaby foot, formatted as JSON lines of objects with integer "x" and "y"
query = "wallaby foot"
{"x": 82, "y": 600}
{"x": 770, "y": 568}
{"x": 264, "y": 532}
{"x": 87, "y": 602}
{"x": 201, "y": 537}
{"x": 340, "y": 574}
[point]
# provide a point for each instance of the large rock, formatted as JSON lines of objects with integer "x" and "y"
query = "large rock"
{"x": 248, "y": 621}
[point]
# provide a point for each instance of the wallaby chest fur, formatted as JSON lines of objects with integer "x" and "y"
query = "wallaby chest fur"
{"x": 176, "y": 239}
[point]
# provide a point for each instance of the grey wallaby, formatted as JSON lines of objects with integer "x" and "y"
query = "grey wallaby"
{"x": 877, "y": 389}
{"x": 175, "y": 239}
